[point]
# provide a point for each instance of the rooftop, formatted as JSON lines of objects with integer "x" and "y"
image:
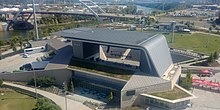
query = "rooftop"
{"x": 174, "y": 94}
{"x": 140, "y": 79}
{"x": 106, "y": 36}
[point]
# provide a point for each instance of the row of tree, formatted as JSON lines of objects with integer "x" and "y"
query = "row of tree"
{"x": 57, "y": 19}
{"x": 168, "y": 6}
{"x": 14, "y": 42}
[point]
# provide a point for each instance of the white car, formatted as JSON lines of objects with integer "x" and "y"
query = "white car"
{"x": 26, "y": 56}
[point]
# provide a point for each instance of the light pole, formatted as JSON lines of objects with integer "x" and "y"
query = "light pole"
{"x": 64, "y": 88}
{"x": 173, "y": 24}
{"x": 35, "y": 20}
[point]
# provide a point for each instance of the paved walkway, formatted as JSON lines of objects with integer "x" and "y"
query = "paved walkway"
{"x": 206, "y": 33}
{"x": 59, "y": 100}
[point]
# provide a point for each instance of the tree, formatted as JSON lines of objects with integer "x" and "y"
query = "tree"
{"x": 216, "y": 55}
{"x": 1, "y": 82}
{"x": 110, "y": 96}
{"x": 71, "y": 86}
{"x": 187, "y": 81}
{"x": 210, "y": 58}
{"x": 20, "y": 41}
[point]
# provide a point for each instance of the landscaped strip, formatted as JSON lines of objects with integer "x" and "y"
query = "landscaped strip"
{"x": 91, "y": 66}
{"x": 174, "y": 94}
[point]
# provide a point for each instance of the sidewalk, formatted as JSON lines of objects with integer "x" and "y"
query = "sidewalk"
{"x": 59, "y": 100}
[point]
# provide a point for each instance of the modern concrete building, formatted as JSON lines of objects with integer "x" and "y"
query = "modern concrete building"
{"x": 136, "y": 67}
{"x": 153, "y": 73}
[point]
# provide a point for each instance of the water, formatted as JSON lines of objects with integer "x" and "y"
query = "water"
{"x": 27, "y": 34}
{"x": 146, "y": 10}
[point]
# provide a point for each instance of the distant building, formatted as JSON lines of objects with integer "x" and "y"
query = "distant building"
{"x": 168, "y": 27}
{"x": 3, "y": 26}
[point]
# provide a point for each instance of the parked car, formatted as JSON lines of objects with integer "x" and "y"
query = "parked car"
{"x": 205, "y": 73}
{"x": 26, "y": 56}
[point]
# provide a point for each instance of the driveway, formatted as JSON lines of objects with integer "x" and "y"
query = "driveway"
{"x": 12, "y": 63}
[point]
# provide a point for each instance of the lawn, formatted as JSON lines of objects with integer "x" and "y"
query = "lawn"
{"x": 198, "y": 42}
{"x": 176, "y": 93}
{"x": 12, "y": 100}
{"x": 101, "y": 69}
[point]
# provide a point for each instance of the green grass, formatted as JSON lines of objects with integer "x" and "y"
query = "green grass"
{"x": 101, "y": 69}
{"x": 176, "y": 93}
{"x": 12, "y": 100}
{"x": 198, "y": 42}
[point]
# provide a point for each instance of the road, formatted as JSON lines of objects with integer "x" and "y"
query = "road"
{"x": 59, "y": 100}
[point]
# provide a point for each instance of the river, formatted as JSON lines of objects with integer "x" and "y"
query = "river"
{"x": 146, "y": 10}
{"x": 7, "y": 34}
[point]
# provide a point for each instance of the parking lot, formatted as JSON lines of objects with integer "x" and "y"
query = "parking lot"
{"x": 205, "y": 100}
{"x": 14, "y": 62}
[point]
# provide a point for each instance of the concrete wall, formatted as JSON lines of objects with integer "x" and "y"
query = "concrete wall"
{"x": 60, "y": 75}
{"x": 176, "y": 77}
{"x": 135, "y": 99}
{"x": 181, "y": 105}
{"x": 77, "y": 49}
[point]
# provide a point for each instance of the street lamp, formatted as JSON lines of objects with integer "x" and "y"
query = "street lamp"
{"x": 64, "y": 88}
{"x": 173, "y": 24}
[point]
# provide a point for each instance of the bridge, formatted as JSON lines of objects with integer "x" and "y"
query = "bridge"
{"x": 94, "y": 9}
{"x": 103, "y": 15}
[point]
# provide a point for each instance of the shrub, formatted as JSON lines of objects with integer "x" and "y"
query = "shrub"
{"x": 42, "y": 81}
{"x": 1, "y": 82}
{"x": 46, "y": 104}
